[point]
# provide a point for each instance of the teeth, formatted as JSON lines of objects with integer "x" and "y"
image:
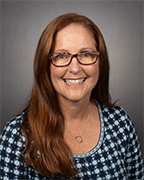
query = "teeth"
{"x": 74, "y": 82}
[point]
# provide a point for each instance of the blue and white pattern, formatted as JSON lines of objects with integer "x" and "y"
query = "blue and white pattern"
{"x": 117, "y": 155}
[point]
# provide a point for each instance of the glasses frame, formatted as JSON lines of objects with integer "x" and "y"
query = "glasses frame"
{"x": 76, "y": 56}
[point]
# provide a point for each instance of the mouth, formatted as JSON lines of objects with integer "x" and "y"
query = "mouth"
{"x": 74, "y": 82}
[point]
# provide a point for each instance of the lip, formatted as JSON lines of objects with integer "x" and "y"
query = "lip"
{"x": 74, "y": 82}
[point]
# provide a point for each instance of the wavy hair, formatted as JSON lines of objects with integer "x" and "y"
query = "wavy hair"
{"x": 43, "y": 123}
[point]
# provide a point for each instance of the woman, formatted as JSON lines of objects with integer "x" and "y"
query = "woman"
{"x": 70, "y": 129}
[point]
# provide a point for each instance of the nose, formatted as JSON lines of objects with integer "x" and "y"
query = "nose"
{"x": 74, "y": 66}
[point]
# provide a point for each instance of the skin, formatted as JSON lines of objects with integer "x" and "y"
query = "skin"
{"x": 75, "y": 99}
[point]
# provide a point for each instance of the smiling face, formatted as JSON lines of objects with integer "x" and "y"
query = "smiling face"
{"x": 75, "y": 81}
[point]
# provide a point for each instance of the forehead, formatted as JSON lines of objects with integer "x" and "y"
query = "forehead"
{"x": 73, "y": 35}
{"x": 75, "y": 28}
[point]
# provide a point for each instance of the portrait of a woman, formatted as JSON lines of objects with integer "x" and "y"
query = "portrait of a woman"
{"x": 70, "y": 128}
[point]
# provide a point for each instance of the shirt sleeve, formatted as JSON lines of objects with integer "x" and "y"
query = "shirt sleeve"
{"x": 133, "y": 157}
{"x": 12, "y": 164}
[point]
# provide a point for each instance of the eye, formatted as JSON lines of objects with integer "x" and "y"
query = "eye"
{"x": 60, "y": 56}
{"x": 86, "y": 54}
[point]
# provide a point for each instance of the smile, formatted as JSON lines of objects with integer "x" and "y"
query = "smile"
{"x": 74, "y": 82}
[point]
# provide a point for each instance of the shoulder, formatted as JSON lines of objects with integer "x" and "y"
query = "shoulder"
{"x": 11, "y": 132}
{"x": 118, "y": 122}
{"x": 12, "y": 143}
{"x": 120, "y": 127}
{"x": 13, "y": 124}
{"x": 117, "y": 116}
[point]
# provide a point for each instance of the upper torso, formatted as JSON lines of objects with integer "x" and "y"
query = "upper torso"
{"x": 116, "y": 155}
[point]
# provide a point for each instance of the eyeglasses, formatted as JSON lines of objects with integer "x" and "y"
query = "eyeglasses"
{"x": 64, "y": 59}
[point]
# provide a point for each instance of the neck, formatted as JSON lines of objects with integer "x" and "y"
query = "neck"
{"x": 75, "y": 111}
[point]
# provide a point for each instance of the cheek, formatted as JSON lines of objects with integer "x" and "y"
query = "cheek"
{"x": 56, "y": 73}
{"x": 93, "y": 72}
{"x": 53, "y": 75}
{"x": 52, "y": 72}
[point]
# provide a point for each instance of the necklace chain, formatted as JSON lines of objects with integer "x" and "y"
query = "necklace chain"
{"x": 79, "y": 138}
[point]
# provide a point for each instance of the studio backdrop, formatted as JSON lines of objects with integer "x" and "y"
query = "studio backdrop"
{"x": 121, "y": 23}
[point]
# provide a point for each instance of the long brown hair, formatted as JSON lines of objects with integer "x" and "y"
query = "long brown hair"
{"x": 43, "y": 124}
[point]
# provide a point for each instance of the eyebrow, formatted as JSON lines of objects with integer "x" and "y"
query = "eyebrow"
{"x": 82, "y": 49}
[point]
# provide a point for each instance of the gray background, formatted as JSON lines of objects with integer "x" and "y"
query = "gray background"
{"x": 121, "y": 23}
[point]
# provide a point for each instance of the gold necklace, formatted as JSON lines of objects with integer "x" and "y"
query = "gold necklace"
{"x": 79, "y": 138}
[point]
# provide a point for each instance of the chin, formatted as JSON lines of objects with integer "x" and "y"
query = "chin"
{"x": 76, "y": 98}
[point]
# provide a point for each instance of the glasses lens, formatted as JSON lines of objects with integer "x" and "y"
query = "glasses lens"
{"x": 87, "y": 57}
{"x": 60, "y": 59}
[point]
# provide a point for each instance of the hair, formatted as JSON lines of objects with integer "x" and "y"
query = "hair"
{"x": 43, "y": 122}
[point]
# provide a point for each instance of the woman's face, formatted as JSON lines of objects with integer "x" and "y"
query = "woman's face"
{"x": 75, "y": 81}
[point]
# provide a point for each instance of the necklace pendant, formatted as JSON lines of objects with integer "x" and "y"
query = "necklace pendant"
{"x": 79, "y": 139}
